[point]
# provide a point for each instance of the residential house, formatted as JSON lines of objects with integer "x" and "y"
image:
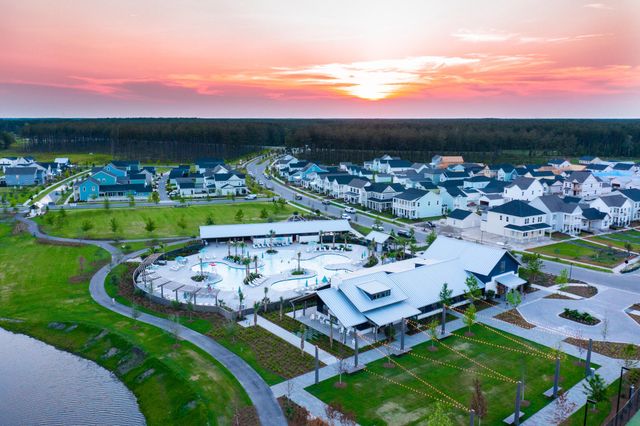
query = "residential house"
{"x": 87, "y": 190}
{"x": 619, "y": 208}
{"x": 453, "y": 197}
{"x": 523, "y": 188}
{"x": 417, "y": 204}
{"x": 449, "y": 175}
{"x": 583, "y": 184}
{"x": 394, "y": 166}
{"x": 589, "y": 159}
{"x": 501, "y": 172}
{"x": 463, "y": 219}
{"x": 594, "y": 220}
{"x": 562, "y": 216}
{"x": 379, "y": 196}
{"x": 516, "y": 220}
{"x": 355, "y": 192}
{"x": 444, "y": 161}
{"x": 559, "y": 163}
{"x": 23, "y": 176}
{"x": 634, "y": 196}
{"x": 126, "y": 165}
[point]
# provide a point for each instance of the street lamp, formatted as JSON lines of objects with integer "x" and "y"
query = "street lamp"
{"x": 619, "y": 392}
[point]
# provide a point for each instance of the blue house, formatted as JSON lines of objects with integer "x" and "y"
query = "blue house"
{"x": 87, "y": 190}
{"x": 105, "y": 177}
{"x": 23, "y": 176}
{"x": 115, "y": 170}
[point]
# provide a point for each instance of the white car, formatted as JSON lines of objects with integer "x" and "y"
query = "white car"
{"x": 251, "y": 197}
{"x": 349, "y": 210}
{"x": 346, "y": 216}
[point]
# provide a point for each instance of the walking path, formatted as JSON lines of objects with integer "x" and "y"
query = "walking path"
{"x": 258, "y": 391}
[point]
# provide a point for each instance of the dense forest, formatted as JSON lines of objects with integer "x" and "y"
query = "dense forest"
{"x": 332, "y": 140}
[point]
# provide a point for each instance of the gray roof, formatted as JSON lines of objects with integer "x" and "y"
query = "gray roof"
{"x": 632, "y": 194}
{"x": 392, "y": 313}
{"x": 593, "y": 214}
{"x": 459, "y": 214}
{"x": 476, "y": 258}
{"x": 614, "y": 200}
{"x": 526, "y": 228}
{"x": 350, "y": 287}
{"x": 340, "y": 307}
{"x": 557, "y": 204}
{"x": 380, "y": 237}
{"x": 522, "y": 183}
{"x": 411, "y": 194}
{"x": 358, "y": 182}
{"x": 579, "y": 176}
{"x": 517, "y": 208}
{"x": 280, "y": 228}
{"x": 20, "y": 170}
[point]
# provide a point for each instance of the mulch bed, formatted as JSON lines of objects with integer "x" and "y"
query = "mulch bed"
{"x": 58, "y": 243}
{"x": 548, "y": 280}
{"x": 636, "y": 318}
{"x": 610, "y": 349}
{"x": 513, "y": 316}
{"x": 582, "y": 291}
{"x": 296, "y": 415}
{"x": 558, "y": 296}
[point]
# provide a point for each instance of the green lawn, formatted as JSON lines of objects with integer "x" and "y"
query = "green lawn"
{"x": 43, "y": 284}
{"x": 131, "y": 222}
{"x": 619, "y": 239}
{"x": 273, "y": 358}
{"x": 376, "y": 401}
{"x": 583, "y": 251}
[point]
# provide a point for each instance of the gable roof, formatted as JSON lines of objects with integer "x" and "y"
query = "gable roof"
{"x": 633, "y": 194}
{"x": 411, "y": 194}
{"x": 622, "y": 166}
{"x": 517, "y": 208}
{"x": 522, "y": 183}
{"x": 557, "y": 204}
{"x": 22, "y": 171}
{"x": 459, "y": 214}
{"x": 579, "y": 176}
{"x": 593, "y": 214}
{"x": 382, "y": 186}
{"x": 597, "y": 167}
{"x": 615, "y": 200}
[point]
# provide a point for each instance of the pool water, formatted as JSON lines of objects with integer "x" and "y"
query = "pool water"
{"x": 273, "y": 264}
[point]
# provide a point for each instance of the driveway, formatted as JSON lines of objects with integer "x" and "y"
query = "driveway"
{"x": 609, "y": 303}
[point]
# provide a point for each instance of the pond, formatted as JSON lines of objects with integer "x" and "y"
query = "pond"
{"x": 40, "y": 384}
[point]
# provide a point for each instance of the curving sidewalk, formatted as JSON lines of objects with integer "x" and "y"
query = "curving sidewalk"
{"x": 257, "y": 389}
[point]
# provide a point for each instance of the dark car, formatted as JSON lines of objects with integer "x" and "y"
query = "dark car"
{"x": 326, "y": 202}
{"x": 298, "y": 197}
{"x": 403, "y": 233}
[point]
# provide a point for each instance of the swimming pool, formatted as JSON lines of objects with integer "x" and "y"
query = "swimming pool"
{"x": 273, "y": 264}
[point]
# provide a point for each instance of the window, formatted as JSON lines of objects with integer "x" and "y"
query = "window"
{"x": 503, "y": 265}
{"x": 500, "y": 217}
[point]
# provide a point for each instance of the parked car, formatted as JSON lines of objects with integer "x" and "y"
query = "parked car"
{"x": 377, "y": 228}
{"x": 251, "y": 197}
{"x": 403, "y": 233}
{"x": 346, "y": 216}
{"x": 349, "y": 210}
{"x": 326, "y": 202}
{"x": 298, "y": 197}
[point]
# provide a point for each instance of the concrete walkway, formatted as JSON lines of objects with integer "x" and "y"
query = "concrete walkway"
{"x": 258, "y": 391}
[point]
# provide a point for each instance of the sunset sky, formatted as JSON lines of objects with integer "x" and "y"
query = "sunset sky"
{"x": 305, "y": 58}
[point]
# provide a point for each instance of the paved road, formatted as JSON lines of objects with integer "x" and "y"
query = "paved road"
{"x": 167, "y": 203}
{"x": 628, "y": 282}
{"x": 259, "y": 392}
{"x": 330, "y": 210}
{"x": 162, "y": 188}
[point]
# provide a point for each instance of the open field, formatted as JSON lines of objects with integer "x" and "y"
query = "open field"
{"x": 272, "y": 358}
{"x": 42, "y": 285}
{"x": 583, "y": 251}
{"x": 169, "y": 221}
{"x": 619, "y": 239}
{"x": 376, "y": 400}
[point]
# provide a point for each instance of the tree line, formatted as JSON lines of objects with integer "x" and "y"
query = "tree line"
{"x": 331, "y": 141}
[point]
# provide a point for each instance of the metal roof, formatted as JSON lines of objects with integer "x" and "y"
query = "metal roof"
{"x": 373, "y": 287}
{"x": 380, "y": 237}
{"x": 510, "y": 280}
{"x": 280, "y": 228}
{"x": 361, "y": 301}
{"x": 391, "y": 313}
{"x": 341, "y": 308}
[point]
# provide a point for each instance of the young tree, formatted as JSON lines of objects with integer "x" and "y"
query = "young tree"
{"x": 595, "y": 388}
{"x": 135, "y": 314}
{"x": 149, "y": 225}
{"x": 281, "y": 307}
{"x": 439, "y": 416}
{"x": 86, "y": 226}
{"x": 604, "y": 331}
{"x": 628, "y": 247}
{"x": 132, "y": 200}
{"x": 478, "y": 401}
{"x": 433, "y": 332}
{"x": 115, "y": 226}
{"x": 81, "y": 262}
{"x": 240, "y": 216}
{"x": 562, "y": 279}
{"x": 445, "y": 295}
{"x": 256, "y": 307}
{"x": 470, "y": 316}
{"x": 190, "y": 309}
{"x": 533, "y": 264}
{"x": 431, "y": 238}
{"x": 303, "y": 334}
{"x": 182, "y": 223}
{"x": 265, "y": 300}
{"x": 106, "y": 203}
{"x": 175, "y": 328}
{"x": 209, "y": 220}
{"x": 264, "y": 214}
{"x": 473, "y": 288}
{"x": 564, "y": 408}
{"x": 514, "y": 298}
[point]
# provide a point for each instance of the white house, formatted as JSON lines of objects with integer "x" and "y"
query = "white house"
{"x": 379, "y": 196}
{"x": 355, "y": 192}
{"x": 463, "y": 219}
{"x": 583, "y": 184}
{"x": 523, "y": 188}
{"x": 516, "y": 220}
{"x": 563, "y": 216}
{"x": 619, "y": 208}
{"x": 416, "y": 204}
{"x": 634, "y": 196}
{"x": 589, "y": 159}
{"x": 559, "y": 163}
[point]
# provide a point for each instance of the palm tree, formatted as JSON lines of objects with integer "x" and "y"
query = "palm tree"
{"x": 242, "y": 246}
{"x": 272, "y": 234}
{"x": 246, "y": 262}
{"x": 334, "y": 240}
{"x": 229, "y": 248}
{"x": 235, "y": 246}
{"x": 299, "y": 254}
{"x": 255, "y": 261}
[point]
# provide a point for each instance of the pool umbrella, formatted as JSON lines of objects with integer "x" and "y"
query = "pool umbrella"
{"x": 324, "y": 279}
{"x": 306, "y": 283}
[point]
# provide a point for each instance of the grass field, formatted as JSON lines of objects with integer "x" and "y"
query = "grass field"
{"x": 168, "y": 220}
{"x": 583, "y": 251}
{"x": 273, "y": 358}
{"x": 619, "y": 239}
{"x": 43, "y": 284}
{"x": 375, "y": 400}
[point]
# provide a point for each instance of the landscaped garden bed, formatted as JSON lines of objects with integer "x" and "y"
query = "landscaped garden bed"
{"x": 579, "y": 317}
{"x": 514, "y": 317}
{"x": 610, "y": 349}
{"x": 558, "y": 296}
{"x": 585, "y": 291}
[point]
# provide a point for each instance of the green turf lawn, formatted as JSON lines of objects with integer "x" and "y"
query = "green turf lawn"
{"x": 42, "y": 283}
{"x": 376, "y": 401}
{"x": 583, "y": 251}
{"x": 167, "y": 219}
{"x": 619, "y": 239}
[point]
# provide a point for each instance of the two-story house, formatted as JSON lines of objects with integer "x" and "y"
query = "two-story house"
{"x": 619, "y": 208}
{"x": 516, "y": 220}
{"x": 379, "y": 196}
{"x": 417, "y": 204}
{"x": 565, "y": 217}
{"x": 355, "y": 192}
{"x": 583, "y": 184}
{"x": 634, "y": 196}
{"x": 523, "y": 188}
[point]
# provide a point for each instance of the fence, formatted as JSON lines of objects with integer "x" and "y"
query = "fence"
{"x": 627, "y": 411}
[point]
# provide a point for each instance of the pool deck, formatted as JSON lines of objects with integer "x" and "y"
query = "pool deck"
{"x": 174, "y": 279}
